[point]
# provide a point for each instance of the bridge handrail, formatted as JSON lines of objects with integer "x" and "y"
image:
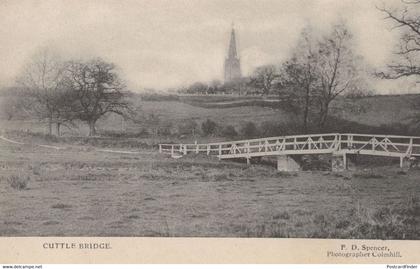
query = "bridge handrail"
{"x": 332, "y": 141}
{"x": 272, "y": 138}
{"x": 293, "y": 136}
{"x": 382, "y": 135}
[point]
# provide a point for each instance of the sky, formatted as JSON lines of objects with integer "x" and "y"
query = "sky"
{"x": 160, "y": 44}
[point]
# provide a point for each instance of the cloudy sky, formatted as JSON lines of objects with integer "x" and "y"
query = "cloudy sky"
{"x": 163, "y": 44}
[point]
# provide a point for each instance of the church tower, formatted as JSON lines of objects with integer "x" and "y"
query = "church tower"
{"x": 232, "y": 62}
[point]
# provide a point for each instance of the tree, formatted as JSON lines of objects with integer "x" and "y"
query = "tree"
{"x": 198, "y": 88}
{"x": 238, "y": 86}
{"x": 337, "y": 69}
{"x": 11, "y": 106}
{"x": 214, "y": 86}
{"x": 298, "y": 80}
{"x": 44, "y": 83}
{"x": 407, "y": 20}
{"x": 98, "y": 91}
{"x": 249, "y": 130}
{"x": 263, "y": 78}
{"x": 188, "y": 127}
{"x": 208, "y": 127}
{"x": 407, "y": 62}
{"x": 228, "y": 131}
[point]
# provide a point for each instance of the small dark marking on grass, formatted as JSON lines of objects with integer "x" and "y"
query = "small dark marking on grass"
{"x": 51, "y": 222}
{"x": 60, "y": 206}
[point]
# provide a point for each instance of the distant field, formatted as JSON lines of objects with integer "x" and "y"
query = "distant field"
{"x": 79, "y": 191}
{"x": 236, "y": 111}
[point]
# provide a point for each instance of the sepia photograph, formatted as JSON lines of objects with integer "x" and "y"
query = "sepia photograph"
{"x": 210, "y": 118}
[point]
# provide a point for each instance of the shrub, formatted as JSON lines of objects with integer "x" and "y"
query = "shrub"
{"x": 18, "y": 182}
{"x": 269, "y": 128}
{"x": 189, "y": 127}
{"x": 208, "y": 127}
{"x": 165, "y": 129}
{"x": 229, "y": 131}
{"x": 249, "y": 130}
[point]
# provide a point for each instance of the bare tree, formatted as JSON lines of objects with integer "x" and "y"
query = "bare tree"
{"x": 11, "y": 106}
{"x": 263, "y": 78}
{"x": 298, "y": 80}
{"x": 337, "y": 68}
{"x": 98, "y": 91}
{"x": 43, "y": 82}
{"x": 407, "y": 20}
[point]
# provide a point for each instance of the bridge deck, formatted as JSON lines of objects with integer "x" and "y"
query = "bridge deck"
{"x": 334, "y": 143}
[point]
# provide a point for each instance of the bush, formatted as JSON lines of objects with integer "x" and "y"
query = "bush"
{"x": 229, "y": 131}
{"x": 165, "y": 129}
{"x": 269, "y": 128}
{"x": 208, "y": 127}
{"x": 18, "y": 182}
{"x": 249, "y": 130}
{"x": 188, "y": 128}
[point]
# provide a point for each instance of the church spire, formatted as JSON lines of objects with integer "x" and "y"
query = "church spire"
{"x": 232, "y": 62}
{"x": 232, "y": 45}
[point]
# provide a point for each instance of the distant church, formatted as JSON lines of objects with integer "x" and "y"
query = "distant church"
{"x": 232, "y": 62}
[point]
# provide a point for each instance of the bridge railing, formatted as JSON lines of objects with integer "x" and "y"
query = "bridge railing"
{"x": 386, "y": 145}
{"x": 269, "y": 144}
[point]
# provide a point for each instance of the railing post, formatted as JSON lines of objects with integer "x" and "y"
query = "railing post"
{"x": 185, "y": 149}
{"x": 294, "y": 143}
{"x": 197, "y": 148}
{"x": 339, "y": 142}
{"x": 160, "y": 148}
{"x": 309, "y": 143}
{"x": 349, "y": 141}
{"x": 345, "y": 161}
{"x": 410, "y": 147}
{"x": 172, "y": 150}
{"x": 208, "y": 149}
{"x": 220, "y": 150}
{"x": 373, "y": 143}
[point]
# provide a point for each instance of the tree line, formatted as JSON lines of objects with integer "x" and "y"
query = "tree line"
{"x": 62, "y": 92}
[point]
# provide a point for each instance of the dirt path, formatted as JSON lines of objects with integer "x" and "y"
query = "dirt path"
{"x": 65, "y": 147}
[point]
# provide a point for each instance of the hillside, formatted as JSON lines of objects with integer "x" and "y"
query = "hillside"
{"x": 173, "y": 113}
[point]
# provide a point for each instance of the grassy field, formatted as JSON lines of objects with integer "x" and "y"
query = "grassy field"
{"x": 368, "y": 111}
{"x": 80, "y": 191}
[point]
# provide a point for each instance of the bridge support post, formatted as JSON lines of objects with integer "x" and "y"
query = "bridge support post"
{"x": 339, "y": 162}
{"x": 405, "y": 162}
{"x": 287, "y": 163}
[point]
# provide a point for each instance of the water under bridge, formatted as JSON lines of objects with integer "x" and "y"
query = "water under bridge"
{"x": 285, "y": 148}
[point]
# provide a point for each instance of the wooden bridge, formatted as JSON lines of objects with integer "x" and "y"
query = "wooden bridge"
{"x": 406, "y": 148}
